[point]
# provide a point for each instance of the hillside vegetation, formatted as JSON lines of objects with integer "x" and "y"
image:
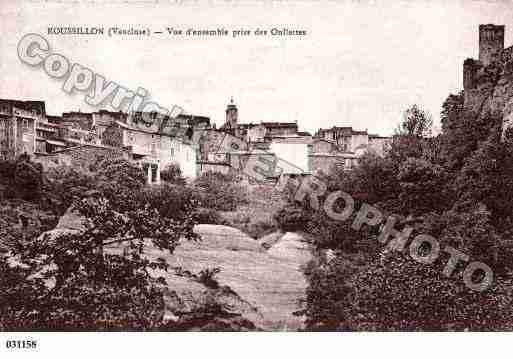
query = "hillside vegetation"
{"x": 456, "y": 187}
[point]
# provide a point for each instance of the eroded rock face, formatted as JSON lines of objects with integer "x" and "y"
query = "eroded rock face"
{"x": 70, "y": 223}
{"x": 192, "y": 307}
{"x": 492, "y": 96}
{"x": 270, "y": 281}
{"x": 258, "y": 287}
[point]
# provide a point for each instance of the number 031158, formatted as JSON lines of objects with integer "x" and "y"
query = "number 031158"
{"x": 21, "y": 344}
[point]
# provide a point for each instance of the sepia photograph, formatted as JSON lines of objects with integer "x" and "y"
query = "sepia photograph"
{"x": 306, "y": 167}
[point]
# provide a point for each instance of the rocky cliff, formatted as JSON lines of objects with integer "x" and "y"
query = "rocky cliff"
{"x": 491, "y": 95}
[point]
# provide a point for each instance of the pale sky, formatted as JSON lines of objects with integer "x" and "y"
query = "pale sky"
{"x": 361, "y": 64}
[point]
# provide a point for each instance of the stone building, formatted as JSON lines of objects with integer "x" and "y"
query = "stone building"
{"x": 291, "y": 151}
{"x": 256, "y": 132}
{"x": 49, "y": 136}
{"x": 77, "y": 120}
{"x": 159, "y": 150}
{"x": 292, "y": 154}
{"x": 379, "y": 144}
{"x": 488, "y": 81}
{"x": 492, "y": 54}
{"x": 356, "y": 142}
{"x": 25, "y": 128}
{"x": 18, "y": 127}
{"x": 147, "y": 146}
{"x": 491, "y": 43}
{"x": 325, "y": 154}
{"x": 232, "y": 117}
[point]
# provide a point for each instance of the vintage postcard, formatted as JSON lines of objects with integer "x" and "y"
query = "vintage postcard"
{"x": 254, "y": 166}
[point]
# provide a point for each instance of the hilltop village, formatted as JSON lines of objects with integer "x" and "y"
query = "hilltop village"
{"x": 91, "y": 242}
{"x": 77, "y": 138}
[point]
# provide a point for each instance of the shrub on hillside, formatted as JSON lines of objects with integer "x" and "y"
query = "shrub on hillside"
{"x": 220, "y": 192}
{"x": 339, "y": 235}
{"x": 75, "y": 281}
{"x": 209, "y": 216}
{"x": 397, "y": 293}
{"x": 327, "y": 293}
{"x": 251, "y": 221}
{"x": 422, "y": 187}
{"x": 21, "y": 178}
{"x": 172, "y": 174}
{"x": 7, "y": 169}
{"x": 291, "y": 218}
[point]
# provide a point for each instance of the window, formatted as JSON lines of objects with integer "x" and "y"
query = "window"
{"x": 172, "y": 152}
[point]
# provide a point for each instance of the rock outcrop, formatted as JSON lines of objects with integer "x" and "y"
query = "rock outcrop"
{"x": 258, "y": 286}
{"x": 269, "y": 284}
{"x": 70, "y": 223}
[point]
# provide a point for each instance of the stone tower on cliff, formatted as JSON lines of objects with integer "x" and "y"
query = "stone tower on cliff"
{"x": 491, "y": 43}
{"x": 491, "y": 50}
{"x": 488, "y": 82}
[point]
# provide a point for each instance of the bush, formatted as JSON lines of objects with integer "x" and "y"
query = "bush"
{"x": 397, "y": 293}
{"x": 422, "y": 186}
{"x": 209, "y": 216}
{"x": 22, "y": 178}
{"x": 327, "y": 293}
{"x": 220, "y": 192}
{"x": 7, "y": 169}
{"x": 172, "y": 174}
{"x": 76, "y": 281}
{"x": 292, "y": 218}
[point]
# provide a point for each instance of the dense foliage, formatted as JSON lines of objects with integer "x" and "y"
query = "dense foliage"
{"x": 456, "y": 187}
{"x": 100, "y": 277}
{"x": 172, "y": 174}
{"x": 220, "y": 191}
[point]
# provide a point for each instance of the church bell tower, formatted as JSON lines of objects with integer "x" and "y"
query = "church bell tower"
{"x": 232, "y": 114}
